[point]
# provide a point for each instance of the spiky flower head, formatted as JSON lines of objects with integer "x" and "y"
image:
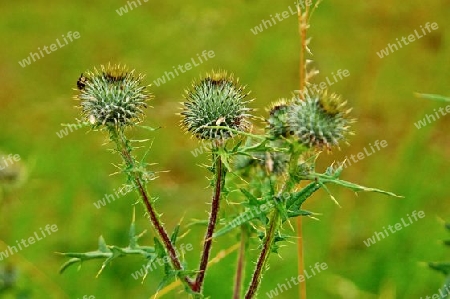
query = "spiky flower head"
{"x": 113, "y": 96}
{"x": 320, "y": 120}
{"x": 278, "y": 118}
{"x": 215, "y": 100}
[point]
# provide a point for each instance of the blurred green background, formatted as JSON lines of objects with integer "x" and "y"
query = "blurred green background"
{"x": 67, "y": 175}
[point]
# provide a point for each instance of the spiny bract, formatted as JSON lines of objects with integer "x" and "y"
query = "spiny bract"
{"x": 320, "y": 120}
{"x": 278, "y": 118}
{"x": 112, "y": 96}
{"x": 216, "y": 100}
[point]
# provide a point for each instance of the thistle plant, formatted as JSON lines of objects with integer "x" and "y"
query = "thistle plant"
{"x": 269, "y": 166}
{"x": 113, "y": 99}
{"x": 215, "y": 109}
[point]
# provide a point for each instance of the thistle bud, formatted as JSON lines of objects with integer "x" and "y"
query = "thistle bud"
{"x": 112, "y": 96}
{"x": 216, "y": 100}
{"x": 320, "y": 120}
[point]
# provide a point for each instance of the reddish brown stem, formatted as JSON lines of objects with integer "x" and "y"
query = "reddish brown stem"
{"x": 263, "y": 257}
{"x": 162, "y": 233}
{"x": 207, "y": 243}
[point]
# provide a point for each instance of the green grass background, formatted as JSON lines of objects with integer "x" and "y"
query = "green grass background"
{"x": 67, "y": 175}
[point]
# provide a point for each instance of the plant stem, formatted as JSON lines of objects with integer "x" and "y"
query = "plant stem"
{"x": 240, "y": 265}
{"x": 264, "y": 255}
{"x": 303, "y": 28}
{"x": 207, "y": 243}
{"x": 125, "y": 151}
{"x": 301, "y": 263}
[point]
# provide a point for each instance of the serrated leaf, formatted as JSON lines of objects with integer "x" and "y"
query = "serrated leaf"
{"x": 251, "y": 199}
{"x": 237, "y": 221}
{"x": 443, "y": 267}
{"x": 159, "y": 248}
{"x": 166, "y": 280}
{"x": 358, "y": 188}
{"x": 102, "y": 247}
{"x": 116, "y": 252}
{"x": 69, "y": 263}
{"x": 236, "y": 147}
{"x": 298, "y": 198}
{"x": 173, "y": 237}
{"x": 296, "y": 213}
{"x": 132, "y": 233}
{"x": 352, "y": 186}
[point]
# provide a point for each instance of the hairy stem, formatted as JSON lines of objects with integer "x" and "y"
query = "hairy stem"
{"x": 303, "y": 28}
{"x": 207, "y": 243}
{"x": 125, "y": 151}
{"x": 240, "y": 265}
{"x": 264, "y": 255}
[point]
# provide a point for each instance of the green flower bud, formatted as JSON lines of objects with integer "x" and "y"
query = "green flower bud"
{"x": 278, "y": 118}
{"x": 320, "y": 120}
{"x": 112, "y": 96}
{"x": 216, "y": 100}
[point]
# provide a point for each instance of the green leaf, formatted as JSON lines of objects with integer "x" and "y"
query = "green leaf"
{"x": 443, "y": 267}
{"x": 116, "y": 252}
{"x": 148, "y": 128}
{"x": 237, "y": 221}
{"x": 132, "y": 233}
{"x": 169, "y": 277}
{"x": 296, "y": 213}
{"x": 102, "y": 247}
{"x": 173, "y": 237}
{"x": 358, "y": 188}
{"x": 433, "y": 97}
{"x": 253, "y": 201}
{"x": 298, "y": 198}
{"x": 159, "y": 248}
{"x": 322, "y": 178}
{"x": 69, "y": 263}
